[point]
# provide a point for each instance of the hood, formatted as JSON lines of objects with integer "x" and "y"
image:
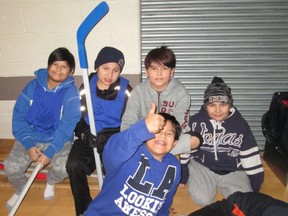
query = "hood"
{"x": 42, "y": 76}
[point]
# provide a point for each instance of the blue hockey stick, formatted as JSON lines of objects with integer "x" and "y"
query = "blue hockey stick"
{"x": 84, "y": 29}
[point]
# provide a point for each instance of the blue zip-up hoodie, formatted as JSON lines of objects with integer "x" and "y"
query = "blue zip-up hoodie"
{"x": 41, "y": 115}
{"x": 135, "y": 182}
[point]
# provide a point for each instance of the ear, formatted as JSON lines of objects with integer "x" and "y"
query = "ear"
{"x": 172, "y": 72}
{"x": 146, "y": 73}
{"x": 175, "y": 142}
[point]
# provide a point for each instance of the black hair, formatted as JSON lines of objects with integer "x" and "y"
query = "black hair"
{"x": 161, "y": 55}
{"x": 62, "y": 54}
{"x": 175, "y": 124}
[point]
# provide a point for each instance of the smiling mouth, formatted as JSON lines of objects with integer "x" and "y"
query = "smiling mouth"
{"x": 57, "y": 73}
{"x": 161, "y": 143}
{"x": 108, "y": 80}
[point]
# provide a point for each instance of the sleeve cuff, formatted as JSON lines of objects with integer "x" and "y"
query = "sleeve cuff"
{"x": 49, "y": 152}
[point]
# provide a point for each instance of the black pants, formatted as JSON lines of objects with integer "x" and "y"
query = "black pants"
{"x": 80, "y": 163}
{"x": 219, "y": 208}
{"x": 245, "y": 204}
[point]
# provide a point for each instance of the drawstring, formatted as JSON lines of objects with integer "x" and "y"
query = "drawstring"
{"x": 215, "y": 144}
{"x": 216, "y": 126}
{"x": 158, "y": 106}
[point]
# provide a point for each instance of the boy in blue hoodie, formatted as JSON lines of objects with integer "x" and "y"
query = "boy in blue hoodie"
{"x": 44, "y": 117}
{"x": 141, "y": 175}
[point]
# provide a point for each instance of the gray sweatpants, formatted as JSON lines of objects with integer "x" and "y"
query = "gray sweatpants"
{"x": 18, "y": 162}
{"x": 204, "y": 183}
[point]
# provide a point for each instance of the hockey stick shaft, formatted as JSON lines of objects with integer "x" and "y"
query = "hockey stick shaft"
{"x": 84, "y": 29}
{"x": 25, "y": 190}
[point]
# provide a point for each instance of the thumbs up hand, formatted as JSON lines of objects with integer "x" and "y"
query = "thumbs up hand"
{"x": 154, "y": 122}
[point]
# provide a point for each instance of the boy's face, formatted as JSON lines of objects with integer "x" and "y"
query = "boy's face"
{"x": 218, "y": 111}
{"x": 163, "y": 142}
{"x": 107, "y": 74}
{"x": 58, "y": 72}
{"x": 159, "y": 75}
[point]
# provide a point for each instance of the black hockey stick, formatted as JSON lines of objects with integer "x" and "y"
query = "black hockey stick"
{"x": 86, "y": 26}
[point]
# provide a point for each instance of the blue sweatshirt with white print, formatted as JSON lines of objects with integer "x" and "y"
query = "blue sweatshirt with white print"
{"x": 42, "y": 115}
{"x": 228, "y": 146}
{"x": 135, "y": 182}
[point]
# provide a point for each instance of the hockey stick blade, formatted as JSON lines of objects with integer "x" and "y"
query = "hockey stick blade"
{"x": 25, "y": 190}
{"x": 86, "y": 26}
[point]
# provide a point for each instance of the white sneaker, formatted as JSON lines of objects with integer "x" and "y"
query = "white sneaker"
{"x": 49, "y": 192}
{"x": 12, "y": 201}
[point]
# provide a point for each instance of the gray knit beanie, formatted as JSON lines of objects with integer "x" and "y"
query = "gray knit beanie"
{"x": 217, "y": 91}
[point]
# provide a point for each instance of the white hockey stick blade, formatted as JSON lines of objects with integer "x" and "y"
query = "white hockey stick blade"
{"x": 25, "y": 190}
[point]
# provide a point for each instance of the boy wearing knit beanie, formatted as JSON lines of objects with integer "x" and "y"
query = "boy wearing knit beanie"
{"x": 109, "y": 94}
{"x": 229, "y": 158}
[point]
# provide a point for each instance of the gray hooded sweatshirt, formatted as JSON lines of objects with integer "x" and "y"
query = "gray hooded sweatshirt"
{"x": 174, "y": 100}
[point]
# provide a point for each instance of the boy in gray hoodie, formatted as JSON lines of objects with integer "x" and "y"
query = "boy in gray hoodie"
{"x": 166, "y": 92}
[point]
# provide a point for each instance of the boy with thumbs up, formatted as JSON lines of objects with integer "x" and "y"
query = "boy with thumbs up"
{"x": 141, "y": 175}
